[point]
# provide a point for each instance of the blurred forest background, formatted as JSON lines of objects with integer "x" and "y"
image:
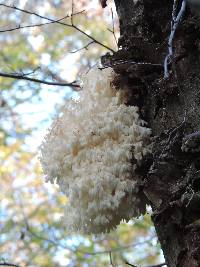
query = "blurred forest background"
{"x": 30, "y": 230}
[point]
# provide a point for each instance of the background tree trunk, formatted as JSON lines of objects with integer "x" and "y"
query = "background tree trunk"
{"x": 171, "y": 178}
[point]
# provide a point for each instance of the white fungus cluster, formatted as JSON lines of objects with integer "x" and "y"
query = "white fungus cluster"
{"x": 92, "y": 150}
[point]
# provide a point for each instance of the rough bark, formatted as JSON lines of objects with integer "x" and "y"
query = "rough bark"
{"x": 171, "y": 176}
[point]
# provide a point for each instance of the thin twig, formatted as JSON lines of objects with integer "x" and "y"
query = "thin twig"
{"x": 36, "y": 14}
{"x": 84, "y": 47}
{"x": 92, "y": 38}
{"x": 158, "y": 265}
{"x": 32, "y": 26}
{"x": 58, "y": 244}
{"x": 30, "y": 72}
{"x": 127, "y": 263}
{"x": 111, "y": 261}
{"x": 72, "y": 22}
{"x": 24, "y": 77}
{"x": 113, "y": 28}
{"x": 60, "y": 23}
{"x": 9, "y": 264}
{"x": 57, "y": 78}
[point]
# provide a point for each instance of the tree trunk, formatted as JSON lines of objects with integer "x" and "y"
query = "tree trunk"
{"x": 171, "y": 177}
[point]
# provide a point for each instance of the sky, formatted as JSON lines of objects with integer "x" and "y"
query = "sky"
{"x": 39, "y": 114}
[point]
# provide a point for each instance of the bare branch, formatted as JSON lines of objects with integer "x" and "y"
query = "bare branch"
{"x": 158, "y": 265}
{"x": 92, "y": 38}
{"x": 36, "y": 14}
{"x": 74, "y": 250}
{"x": 113, "y": 28}
{"x": 130, "y": 264}
{"x": 19, "y": 76}
{"x": 72, "y": 22}
{"x": 9, "y": 264}
{"x": 84, "y": 47}
{"x": 60, "y": 23}
{"x": 31, "y": 72}
{"x": 55, "y": 77}
{"x": 58, "y": 244}
{"x": 111, "y": 261}
{"x": 32, "y": 26}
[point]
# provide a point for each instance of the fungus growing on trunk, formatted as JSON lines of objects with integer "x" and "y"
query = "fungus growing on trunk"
{"x": 92, "y": 150}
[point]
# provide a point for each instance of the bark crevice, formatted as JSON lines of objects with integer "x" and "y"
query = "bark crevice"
{"x": 171, "y": 108}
